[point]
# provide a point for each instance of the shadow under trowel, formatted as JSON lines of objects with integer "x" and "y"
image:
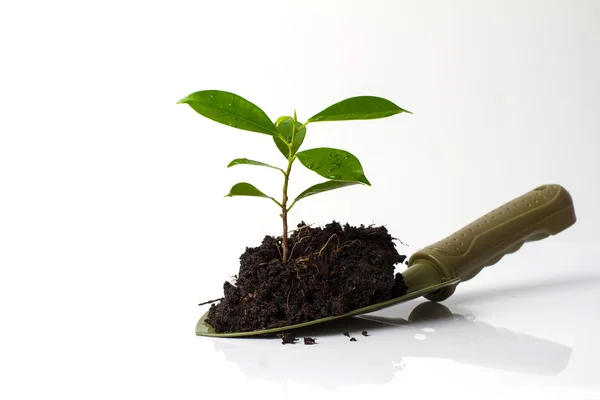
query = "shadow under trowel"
{"x": 430, "y": 330}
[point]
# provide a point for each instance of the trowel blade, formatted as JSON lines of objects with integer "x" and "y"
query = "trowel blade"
{"x": 204, "y": 329}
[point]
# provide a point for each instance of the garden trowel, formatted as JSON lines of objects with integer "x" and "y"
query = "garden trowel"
{"x": 435, "y": 271}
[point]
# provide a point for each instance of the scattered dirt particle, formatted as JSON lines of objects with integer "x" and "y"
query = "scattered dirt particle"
{"x": 288, "y": 338}
{"x": 309, "y": 340}
{"x": 365, "y": 333}
{"x": 353, "y": 339}
{"x": 347, "y": 334}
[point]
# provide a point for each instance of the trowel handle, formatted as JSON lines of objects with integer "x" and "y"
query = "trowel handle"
{"x": 546, "y": 210}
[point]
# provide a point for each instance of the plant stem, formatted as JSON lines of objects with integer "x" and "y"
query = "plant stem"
{"x": 284, "y": 209}
{"x": 292, "y": 205}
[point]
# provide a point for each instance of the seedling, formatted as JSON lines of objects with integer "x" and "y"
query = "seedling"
{"x": 340, "y": 168}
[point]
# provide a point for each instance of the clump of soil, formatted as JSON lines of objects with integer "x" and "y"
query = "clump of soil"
{"x": 288, "y": 338}
{"x": 310, "y": 340}
{"x": 331, "y": 271}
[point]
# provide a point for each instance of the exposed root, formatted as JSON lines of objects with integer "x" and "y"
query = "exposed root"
{"x": 338, "y": 248}
{"x": 401, "y": 242}
{"x": 279, "y": 250}
{"x": 325, "y": 245}
{"x": 297, "y": 242}
{"x": 210, "y": 301}
{"x": 300, "y": 228}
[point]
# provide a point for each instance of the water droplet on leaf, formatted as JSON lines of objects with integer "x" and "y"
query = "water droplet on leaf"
{"x": 310, "y": 166}
{"x": 335, "y": 177}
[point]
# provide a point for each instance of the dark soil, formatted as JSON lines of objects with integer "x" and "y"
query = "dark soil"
{"x": 310, "y": 340}
{"x": 331, "y": 271}
{"x": 288, "y": 338}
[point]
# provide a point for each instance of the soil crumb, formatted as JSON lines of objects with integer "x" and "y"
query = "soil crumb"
{"x": 331, "y": 271}
{"x": 309, "y": 340}
{"x": 288, "y": 338}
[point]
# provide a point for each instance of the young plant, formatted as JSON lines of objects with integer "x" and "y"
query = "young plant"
{"x": 339, "y": 167}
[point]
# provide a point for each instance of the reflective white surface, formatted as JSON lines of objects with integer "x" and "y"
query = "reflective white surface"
{"x": 516, "y": 330}
{"x": 526, "y": 328}
{"x": 113, "y": 225}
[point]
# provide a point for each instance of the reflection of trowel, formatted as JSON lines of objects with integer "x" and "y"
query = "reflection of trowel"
{"x": 464, "y": 340}
{"x": 435, "y": 271}
{"x": 431, "y": 331}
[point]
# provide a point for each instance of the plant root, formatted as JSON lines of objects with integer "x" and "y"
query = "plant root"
{"x": 210, "y": 301}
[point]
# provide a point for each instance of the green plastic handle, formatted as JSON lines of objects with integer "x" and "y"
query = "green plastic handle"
{"x": 546, "y": 210}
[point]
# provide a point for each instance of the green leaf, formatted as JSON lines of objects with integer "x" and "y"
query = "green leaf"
{"x": 335, "y": 164}
{"x": 361, "y": 107}
{"x": 230, "y": 109}
{"x": 241, "y": 161}
{"x": 281, "y": 119}
{"x": 323, "y": 187}
{"x": 285, "y": 128}
{"x": 246, "y": 189}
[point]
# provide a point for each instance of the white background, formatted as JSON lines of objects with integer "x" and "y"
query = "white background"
{"x": 113, "y": 223}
